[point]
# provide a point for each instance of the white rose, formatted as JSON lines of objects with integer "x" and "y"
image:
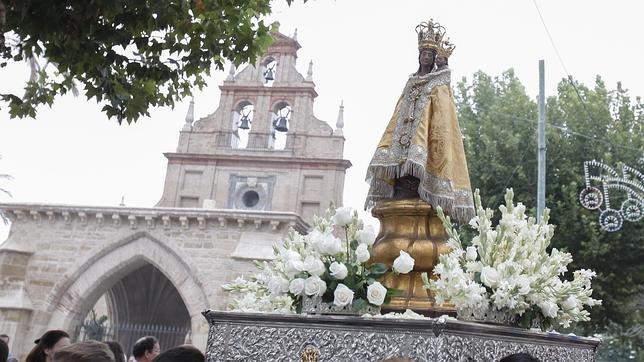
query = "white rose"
{"x": 362, "y": 253}
{"x": 471, "y": 253}
{"x": 342, "y": 216}
{"x": 524, "y": 284}
{"x": 314, "y": 265}
{"x": 489, "y": 276}
{"x": 294, "y": 263}
{"x": 296, "y": 287}
{"x": 549, "y": 308}
{"x": 330, "y": 245}
{"x": 277, "y": 285}
{"x": 376, "y": 293}
{"x": 342, "y": 295}
{"x": 314, "y": 286}
{"x": 367, "y": 235}
{"x": 403, "y": 263}
{"x": 570, "y": 303}
{"x": 338, "y": 270}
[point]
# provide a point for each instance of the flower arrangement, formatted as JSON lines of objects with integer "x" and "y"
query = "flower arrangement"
{"x": 320, "y": 272}
{"x": 506, "y": 275}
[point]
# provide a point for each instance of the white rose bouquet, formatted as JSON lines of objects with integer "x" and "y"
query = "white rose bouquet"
{"x": 320, "y": 265}
{"x": 506, "y": 275}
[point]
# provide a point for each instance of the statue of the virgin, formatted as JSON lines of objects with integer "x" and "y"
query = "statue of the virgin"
{"x": 421, "y": 151}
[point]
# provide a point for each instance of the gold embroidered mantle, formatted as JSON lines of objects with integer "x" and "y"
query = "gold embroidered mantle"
{"x": 423, "y": 140}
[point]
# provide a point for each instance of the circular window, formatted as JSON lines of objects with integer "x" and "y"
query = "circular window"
{"x": 250, "y": 198}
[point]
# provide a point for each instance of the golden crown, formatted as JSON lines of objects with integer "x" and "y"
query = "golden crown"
{"x": 430, "y": 36}
{"x": 446, "y": 48}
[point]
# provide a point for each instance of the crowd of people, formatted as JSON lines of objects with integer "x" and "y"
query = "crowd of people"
{"x": 56, "y": 346}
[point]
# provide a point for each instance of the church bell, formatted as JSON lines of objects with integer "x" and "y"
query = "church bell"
{"x": 281, "y": 124}
{"x": 245, "y": 123}
{"x": 268, "y": 74}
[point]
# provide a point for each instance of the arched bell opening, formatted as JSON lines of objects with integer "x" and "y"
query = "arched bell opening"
{"x": 242, "y": 124}
{"x": 281, "y": 119}
{"x": 269, "y": 71}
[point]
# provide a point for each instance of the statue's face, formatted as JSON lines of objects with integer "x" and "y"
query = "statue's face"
{"x": 426, "y": 57}
{"x": 440, "y": 61}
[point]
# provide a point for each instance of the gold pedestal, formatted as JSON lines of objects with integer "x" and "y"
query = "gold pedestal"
{"x": 413, "y": 226}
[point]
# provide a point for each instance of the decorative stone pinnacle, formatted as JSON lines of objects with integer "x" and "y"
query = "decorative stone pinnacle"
{"x": 309, "y": 73}
{"x": 231, "y": 73}
{"x": 339, "y": 124}
{"x": 295, "y": 35}
{"x": 190, "y": 116}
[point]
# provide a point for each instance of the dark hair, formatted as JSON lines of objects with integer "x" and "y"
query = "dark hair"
{"x": 519, "y": 357}
{"x": 143, "y": 344}
{"x": 116, "y": 348}
{"x": 185, "y": 353}
{"x": 4, "y": 351}
{"x": 4, "y": 335}
{"x": 88, "y": 351}
{"x": 48, "y": 340}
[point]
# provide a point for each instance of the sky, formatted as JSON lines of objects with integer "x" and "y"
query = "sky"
{"x": 362, "y": 52}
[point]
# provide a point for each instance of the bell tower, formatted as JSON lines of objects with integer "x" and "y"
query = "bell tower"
{"x": 262, "y": 149}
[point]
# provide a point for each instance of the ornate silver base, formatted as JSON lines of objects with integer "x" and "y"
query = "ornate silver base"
{"x": 264, "y": 337}
{"x": 315, "y": 305}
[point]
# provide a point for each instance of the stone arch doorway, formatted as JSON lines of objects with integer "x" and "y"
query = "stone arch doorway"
{"x": 134, "y": 261}
{"x": 145, "y": 302}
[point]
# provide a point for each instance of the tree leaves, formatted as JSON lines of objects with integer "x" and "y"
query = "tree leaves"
{"x": 130, "y": 55}
{"x": 499, "y": 126}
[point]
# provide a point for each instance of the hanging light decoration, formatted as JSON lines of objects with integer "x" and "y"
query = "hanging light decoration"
{"x": 630, "y": 183}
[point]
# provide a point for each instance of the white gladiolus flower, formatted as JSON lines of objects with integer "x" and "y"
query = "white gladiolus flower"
{"x": 471, "y": 253}
{"x": 338, "y": 270}
{"x": 342, "y": 295}
{"x": 404, "y": 263}
{"x": 362, "y": 253}
{"x": 367, "y": 235}
{"x": 342, "y": 216}
{"x": 314, "y": 265}
{"x": 296, "y": 286}
{"x": 489, "y": 276}
{"x": 314, "y": 286}
{"x": 376, "y": 293}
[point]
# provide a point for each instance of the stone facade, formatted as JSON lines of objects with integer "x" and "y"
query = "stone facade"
{"x": 222, "y": 207}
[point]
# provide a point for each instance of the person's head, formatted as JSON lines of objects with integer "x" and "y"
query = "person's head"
{"x": 88, "y": 351}
{"x": 426, "y": 58}
{"x": 146, "y": 348}
{"x": 4, "y": 351}
{"x": 519, "y": 357}
{"x": 47, "y": 345}
{"x": 4, "y": 338}
{"x": 116, "y": 348}
{"x": 185, "y": 353}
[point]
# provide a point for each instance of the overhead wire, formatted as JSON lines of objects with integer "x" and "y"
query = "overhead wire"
{"x": 563, "y": 65}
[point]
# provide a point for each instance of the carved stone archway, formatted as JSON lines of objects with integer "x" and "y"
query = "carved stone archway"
{"x": 77, "y": 293}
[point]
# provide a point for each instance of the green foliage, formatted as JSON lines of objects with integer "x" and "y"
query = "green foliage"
{"x": 129, "y": 55}
{"x": 499, "y": 124}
